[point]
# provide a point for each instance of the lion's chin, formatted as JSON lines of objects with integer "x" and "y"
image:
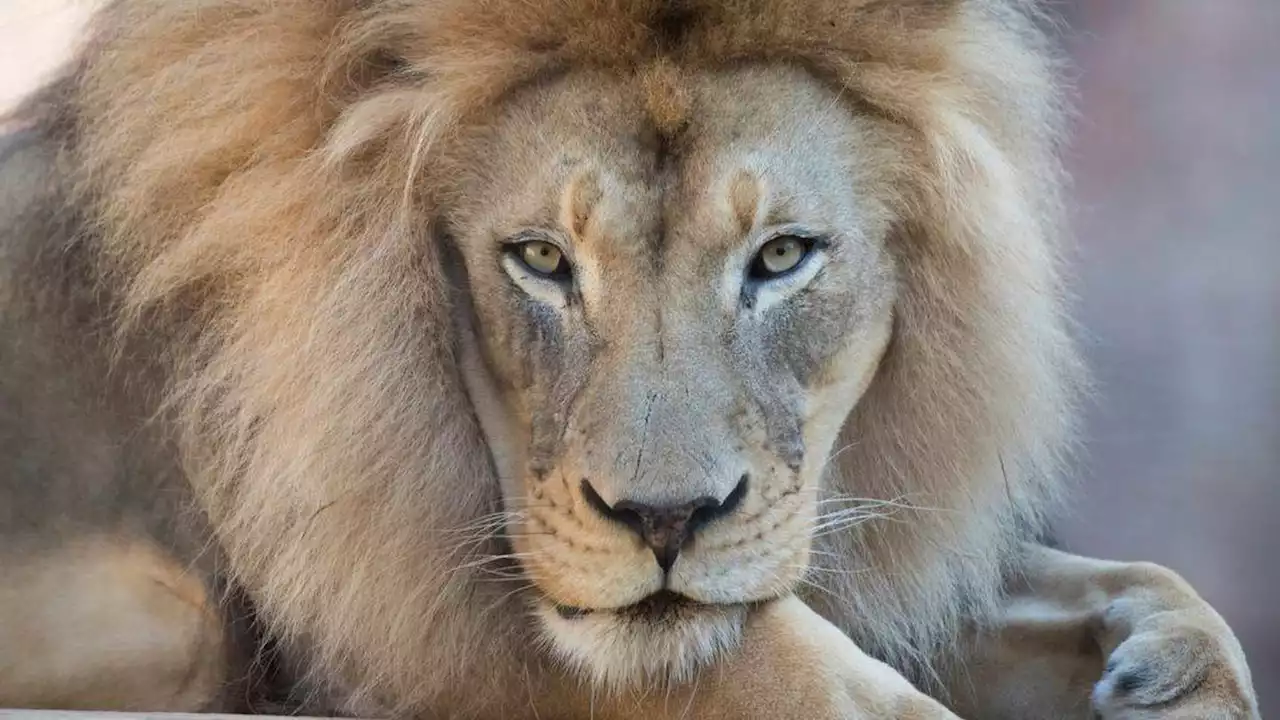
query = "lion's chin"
{"x": 660, "y": 640}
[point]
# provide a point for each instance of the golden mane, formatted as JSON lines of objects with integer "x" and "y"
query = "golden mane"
{"x": 260, "y": 178}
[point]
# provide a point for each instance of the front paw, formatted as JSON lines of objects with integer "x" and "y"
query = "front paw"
{"x": 795, "y": 665}
{"x": 1180, "y": 662}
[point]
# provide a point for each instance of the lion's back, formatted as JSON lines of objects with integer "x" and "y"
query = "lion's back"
{"x": 71, "y": 453}
{"x": 43, "y": 438}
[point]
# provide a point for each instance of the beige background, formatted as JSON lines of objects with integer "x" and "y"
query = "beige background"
{"x": 1177, "y": 165}
{"x": 34, "y": 36}
{"x": 1177, "y": 162}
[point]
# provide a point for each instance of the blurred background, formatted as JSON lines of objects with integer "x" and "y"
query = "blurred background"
{"x": 1176, "y": 159}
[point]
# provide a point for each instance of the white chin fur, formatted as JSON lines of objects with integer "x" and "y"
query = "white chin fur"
{"x": 616, "y": 652}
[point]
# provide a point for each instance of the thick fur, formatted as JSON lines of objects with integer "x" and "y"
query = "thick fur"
{"x": 256, "y": 184}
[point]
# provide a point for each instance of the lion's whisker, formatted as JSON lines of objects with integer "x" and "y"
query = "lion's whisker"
{"x": 841, "y": 524}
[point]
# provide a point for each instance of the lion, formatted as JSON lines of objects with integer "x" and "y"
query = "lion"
{"x": 559, "y": 358}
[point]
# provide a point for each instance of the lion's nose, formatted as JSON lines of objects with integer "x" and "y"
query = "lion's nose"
{"x": 666, "y": 529}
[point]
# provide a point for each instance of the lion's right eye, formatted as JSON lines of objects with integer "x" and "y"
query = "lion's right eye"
{"x": 544, "y": 259}
{"x": 778, "y": 257}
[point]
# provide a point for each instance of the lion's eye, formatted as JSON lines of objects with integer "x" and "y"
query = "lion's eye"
{"x": 543, "y": 258}
{"x": 779, "y": 256}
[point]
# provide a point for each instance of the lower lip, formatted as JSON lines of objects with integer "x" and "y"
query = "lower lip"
{"x": 654, "y": 607}
{"x": 572, "y": 613}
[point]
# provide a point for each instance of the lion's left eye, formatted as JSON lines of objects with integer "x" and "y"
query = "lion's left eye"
{"x": 543, "y": 258}
{"x": 779, "y": 256}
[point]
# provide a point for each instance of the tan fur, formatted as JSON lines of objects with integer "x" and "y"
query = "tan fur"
{"x": 149, "y": 639}
{"x": 268, "y": 186}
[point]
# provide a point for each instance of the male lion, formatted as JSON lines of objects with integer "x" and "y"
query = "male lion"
{"x": 557, "y": 358}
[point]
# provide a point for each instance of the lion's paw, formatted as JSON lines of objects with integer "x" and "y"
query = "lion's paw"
{"x": 1177, "y": 664}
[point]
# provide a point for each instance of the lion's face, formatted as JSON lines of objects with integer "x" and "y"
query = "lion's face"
{"x": 673, "y": 324}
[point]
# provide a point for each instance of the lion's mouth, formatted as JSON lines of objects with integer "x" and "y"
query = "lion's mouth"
{"x": 657, "y": 607}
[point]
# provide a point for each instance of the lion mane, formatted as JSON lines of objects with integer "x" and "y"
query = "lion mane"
{"x": 258, "y": 178}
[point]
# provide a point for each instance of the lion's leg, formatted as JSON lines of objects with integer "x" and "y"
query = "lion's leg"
{"x": 1081, "y": 636}
{"x": 792, "y": 665}
{"x": 107, "y": 624}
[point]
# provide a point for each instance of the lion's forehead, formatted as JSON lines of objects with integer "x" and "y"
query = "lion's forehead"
{"x": 588, "y": 152}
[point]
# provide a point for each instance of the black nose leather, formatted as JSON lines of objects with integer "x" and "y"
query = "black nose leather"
{"x": 666, "y": 529}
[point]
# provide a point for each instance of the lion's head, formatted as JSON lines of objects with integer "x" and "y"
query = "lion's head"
{"x": 505, "y": 329}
